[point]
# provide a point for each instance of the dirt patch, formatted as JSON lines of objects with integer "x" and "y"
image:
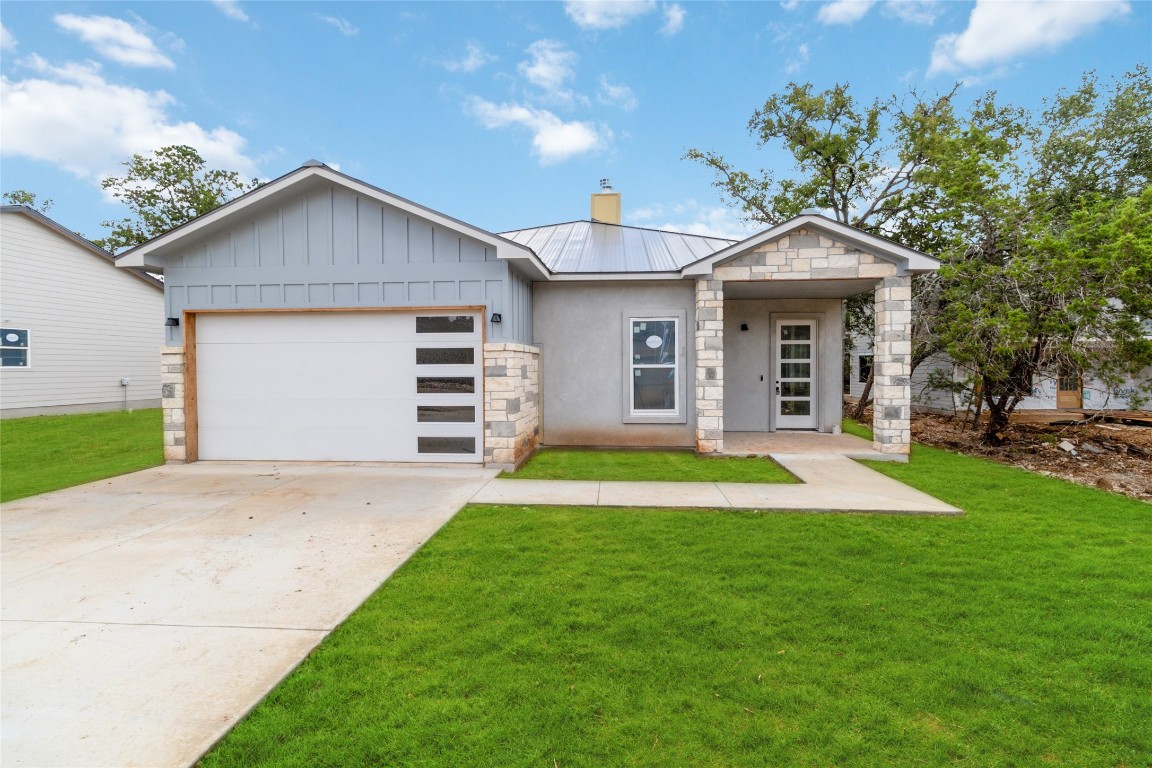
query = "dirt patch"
{"x": 1114, "y": 457}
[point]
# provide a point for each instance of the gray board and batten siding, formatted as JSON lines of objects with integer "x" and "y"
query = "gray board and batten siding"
{"x": 330, "y": 247}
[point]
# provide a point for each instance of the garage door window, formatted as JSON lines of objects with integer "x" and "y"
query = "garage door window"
{"x": 453, "y": 445}
{"x": 446, "y": 414}
{"x": 446, "y": 324}
{"x": 446, "y": 356}
{"x": 447, "y": 385}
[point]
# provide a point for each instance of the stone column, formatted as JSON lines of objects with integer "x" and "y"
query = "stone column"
{"x": 709, "y": 366}
{"x": 511, "y": 403}
{"x": 892, "y": 366}
{"x": 172, "y": 402}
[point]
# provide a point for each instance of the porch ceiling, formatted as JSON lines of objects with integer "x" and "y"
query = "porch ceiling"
{"x": 797, "y": 289}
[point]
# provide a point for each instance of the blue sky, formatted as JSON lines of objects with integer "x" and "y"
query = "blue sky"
{"x": 504, "y": 115}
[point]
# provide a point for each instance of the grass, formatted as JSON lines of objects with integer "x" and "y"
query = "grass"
{"x": 1017, "y": 635}
{"x": 46, "y": 453}
{"x": 686, "y": 466}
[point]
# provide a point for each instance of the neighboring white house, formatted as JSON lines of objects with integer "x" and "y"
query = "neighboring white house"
{"x": 77, "y": 334}
{"x": 1070, "y": 390}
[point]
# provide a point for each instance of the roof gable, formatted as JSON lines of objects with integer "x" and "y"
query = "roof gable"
{"x": 310, "y": 176}
{"x": 906, "y": 259}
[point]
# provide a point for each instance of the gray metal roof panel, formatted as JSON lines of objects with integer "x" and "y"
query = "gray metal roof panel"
{"x": 592, "y": 247}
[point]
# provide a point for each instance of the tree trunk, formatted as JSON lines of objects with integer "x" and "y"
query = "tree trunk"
{"x": 865, "y": 396}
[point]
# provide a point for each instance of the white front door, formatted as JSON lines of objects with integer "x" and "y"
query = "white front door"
{"x": 794, "y": 358}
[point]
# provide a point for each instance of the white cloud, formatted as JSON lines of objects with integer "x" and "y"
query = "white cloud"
{"x": 789, "y": 5}
{"x": 7, "y": 40}
{"x": 673, "y": 19}
{"x": 1000, "y": 31}
{"x": 844, "y": 11}
{"x": 551, "y": 65}
{"x": 553, "y": 140}
{"x": 73, "y": 118}
{"x": 475, "y": 57}
{"x": 923, "y": 12}
{"x": 342, "y": 25}
{"x": 692, "y": 218}
{"x": 550, "y": 68}
{"x": 797, "y": 62}
{"x": 607, "y": 14}
{"x": 617, "y": 94}
{"x": 115, "y": 39}
{"x": 231, "y": 9}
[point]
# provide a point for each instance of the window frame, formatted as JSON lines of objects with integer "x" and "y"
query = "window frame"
{"x": 678, "y": 414}
{"x": 27, "y": 349}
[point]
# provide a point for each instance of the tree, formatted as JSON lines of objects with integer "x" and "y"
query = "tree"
{"x": 1055, "y": 269}
{"x": 164, "y": 190}
{"x": 23, "y": 197}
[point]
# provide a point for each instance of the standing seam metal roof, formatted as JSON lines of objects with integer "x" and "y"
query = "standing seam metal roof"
{"x": 593, "y": 247}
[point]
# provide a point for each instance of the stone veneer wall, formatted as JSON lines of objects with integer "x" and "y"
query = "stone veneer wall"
{"x": 172, "y": 402}
{"x": 709, "y": 366}
{"x": 804, "y": 255}
{"x": 511, "y": 402}
{"x": 892, "y": 370}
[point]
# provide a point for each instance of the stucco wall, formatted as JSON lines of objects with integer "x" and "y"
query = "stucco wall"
{"x": 90, "y": 325}
{"x": 579, "y": 328}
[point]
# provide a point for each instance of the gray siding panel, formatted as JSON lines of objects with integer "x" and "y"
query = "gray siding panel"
{"x": 332, "y": 248}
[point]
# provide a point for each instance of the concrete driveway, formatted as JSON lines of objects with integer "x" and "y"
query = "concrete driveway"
{"x": 144, "y": 615}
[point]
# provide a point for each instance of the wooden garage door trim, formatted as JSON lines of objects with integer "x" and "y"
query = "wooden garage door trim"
{"x": 188, "y": 322}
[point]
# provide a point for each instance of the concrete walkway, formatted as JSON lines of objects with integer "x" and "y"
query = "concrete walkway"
{"x": 831, "y": 483}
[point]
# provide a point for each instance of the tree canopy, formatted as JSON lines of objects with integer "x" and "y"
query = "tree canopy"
{"x": 165, "y": 189}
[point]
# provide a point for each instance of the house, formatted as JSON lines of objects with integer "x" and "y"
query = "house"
{"x": 321, "y": 318}
{"x": 78, "y": 334}
{"x": 939, "y": 385}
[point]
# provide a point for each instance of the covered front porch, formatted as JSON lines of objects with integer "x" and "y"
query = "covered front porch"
{"x": 769, "y": 337}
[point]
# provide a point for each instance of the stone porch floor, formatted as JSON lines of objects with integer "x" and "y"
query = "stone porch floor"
{"x": 767, "y": 443}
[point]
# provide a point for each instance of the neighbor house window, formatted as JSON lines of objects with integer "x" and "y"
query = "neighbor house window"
{"x": 865, "y": 367}
{"x": 654, "y": 367}
{"x": 14, "y": 348}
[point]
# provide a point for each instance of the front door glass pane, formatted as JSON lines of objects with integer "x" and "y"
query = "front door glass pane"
{"x": 796, "y": 351}
{"x": 795, "y": 370}
{"x": 796, "y": 389}
{"x": 795, "y": 407}
{"x": 795, "y": 333}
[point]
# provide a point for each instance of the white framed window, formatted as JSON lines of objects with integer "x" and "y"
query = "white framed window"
{"x": 654, "y": 367}
{"x": 15, "y": 348}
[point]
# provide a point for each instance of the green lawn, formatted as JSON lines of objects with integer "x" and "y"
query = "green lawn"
{"x": 686, "y": 466}
{"x": 1017, "y": 635}
{"x": 46, "y": 453}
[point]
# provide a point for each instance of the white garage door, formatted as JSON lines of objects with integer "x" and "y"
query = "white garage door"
{"x": 340, "y": 386}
